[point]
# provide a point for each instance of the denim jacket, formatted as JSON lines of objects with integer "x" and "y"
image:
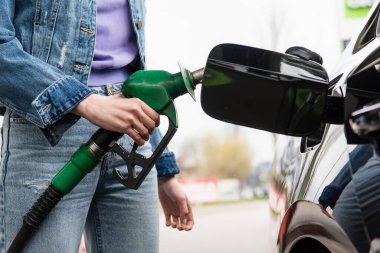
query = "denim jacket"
{"x": 46, "y": 50}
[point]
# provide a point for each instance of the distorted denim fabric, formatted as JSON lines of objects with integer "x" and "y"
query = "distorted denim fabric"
{"x": 358, "y": 157}
{"x": 357, "y": 209}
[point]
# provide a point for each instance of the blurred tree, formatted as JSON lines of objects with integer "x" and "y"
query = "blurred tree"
{"x": 189, "y": 158}
{"x": 215, "y": 155}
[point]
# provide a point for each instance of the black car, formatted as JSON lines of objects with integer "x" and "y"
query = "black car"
{"x": 292, "y": 94}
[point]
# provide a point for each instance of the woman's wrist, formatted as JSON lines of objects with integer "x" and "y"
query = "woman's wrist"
{"x": 164, "y": 179}
{"x": 83, "y": 107}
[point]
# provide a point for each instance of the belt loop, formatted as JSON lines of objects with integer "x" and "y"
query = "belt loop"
{"x": 109, "y": 89}
{"x": 113, "y": 88}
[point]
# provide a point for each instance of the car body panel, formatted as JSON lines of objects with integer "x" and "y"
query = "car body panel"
{"x": 307, "y": 220}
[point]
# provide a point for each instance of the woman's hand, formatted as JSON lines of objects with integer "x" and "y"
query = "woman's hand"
{"x": 117, "y": 113}
{"x": 175, "y": 204}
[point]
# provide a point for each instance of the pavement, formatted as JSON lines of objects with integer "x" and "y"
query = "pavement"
{"x": 242, "y": 227}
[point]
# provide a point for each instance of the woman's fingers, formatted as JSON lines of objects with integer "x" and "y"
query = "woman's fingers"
{"x": 120, "y": 114}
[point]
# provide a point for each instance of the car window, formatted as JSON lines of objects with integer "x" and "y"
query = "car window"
{"x": 369, "y": 32}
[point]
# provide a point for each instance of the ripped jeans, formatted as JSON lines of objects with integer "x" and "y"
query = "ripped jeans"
{"x": 114, "y": 219}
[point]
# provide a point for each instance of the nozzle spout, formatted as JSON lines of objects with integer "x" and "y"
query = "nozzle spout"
{"x": 197, "y": 76}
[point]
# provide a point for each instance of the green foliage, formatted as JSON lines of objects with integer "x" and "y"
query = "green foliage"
{"x": 227, "y": 155}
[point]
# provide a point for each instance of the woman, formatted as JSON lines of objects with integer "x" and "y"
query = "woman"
{"x": 58, "y": 88}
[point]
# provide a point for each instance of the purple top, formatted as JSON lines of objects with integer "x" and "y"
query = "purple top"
{"x": 115, "y": 45}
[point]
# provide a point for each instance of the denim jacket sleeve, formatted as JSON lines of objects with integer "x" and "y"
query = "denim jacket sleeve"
{"x": 166, "y": 165}
{"x": 358, "y": 157}
{"x": 36, "y": 90}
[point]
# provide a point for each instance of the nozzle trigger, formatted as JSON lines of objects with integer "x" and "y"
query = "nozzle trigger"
{"x": 133, "y": 159}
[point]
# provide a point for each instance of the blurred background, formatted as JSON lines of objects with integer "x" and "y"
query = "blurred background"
{"x": 225, "y": 169}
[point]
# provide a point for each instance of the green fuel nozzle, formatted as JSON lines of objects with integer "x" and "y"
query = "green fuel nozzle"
{"x": 157, "y": 89}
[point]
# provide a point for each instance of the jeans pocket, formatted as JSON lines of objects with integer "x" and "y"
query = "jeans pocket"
{"x": 16, "y": 118}
{"x": 19, "y": 121}
{"x": 21, "y": 131}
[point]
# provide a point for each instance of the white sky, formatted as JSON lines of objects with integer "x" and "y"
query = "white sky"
{"x": 186, "y": 31}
